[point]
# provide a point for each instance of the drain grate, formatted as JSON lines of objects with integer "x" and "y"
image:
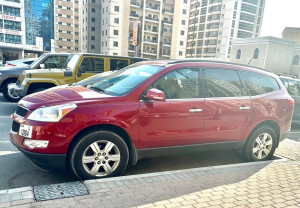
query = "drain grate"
{"x": 58, "y": 191}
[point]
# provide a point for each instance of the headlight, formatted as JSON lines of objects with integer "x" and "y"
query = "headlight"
{"x": 51, "y": 114}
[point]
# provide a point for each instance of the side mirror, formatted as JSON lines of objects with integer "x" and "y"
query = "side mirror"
{"x": 82, "y": 69}
{"x": 42, "y": 66}
{"x": 155, "y": 94}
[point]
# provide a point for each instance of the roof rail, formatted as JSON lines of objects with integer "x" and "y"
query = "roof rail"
{"x": 212, "y": 61}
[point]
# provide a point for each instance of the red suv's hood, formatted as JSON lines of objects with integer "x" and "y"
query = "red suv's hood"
{"x": 61, "y": 95}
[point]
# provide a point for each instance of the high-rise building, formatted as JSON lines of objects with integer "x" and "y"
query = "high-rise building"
{"x": 213, "y": 24}
{"x": 160, "y": 27}
{"x": 39, "y": 22}
{"x": 67, "y": 26}
{"x": 13, "y": 42}
{"x": 91, "y": 26}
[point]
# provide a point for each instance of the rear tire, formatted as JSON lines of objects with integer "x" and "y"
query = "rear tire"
{"x": 6, "y": 94}
{"x": 260, "y": 145}
{"x": 99, "y": 154}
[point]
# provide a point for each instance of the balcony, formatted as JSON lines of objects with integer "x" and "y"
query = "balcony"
{"x": 134, "y": 15}
{"x": 152, "y": 19}
{"x": 153, "y": 7}
{"x": 150, "y": 52}
{"x": 167, "y": 43}
{"x": 149, "y": 41}
{"x": 168, "y": 11}
{"x": 149, "y": 30}
{"x": 131, "y": 48}
{"x": 135, "y": 4}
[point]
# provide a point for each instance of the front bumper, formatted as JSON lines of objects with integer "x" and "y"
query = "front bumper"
{"x": 17, "y": 91}
{"x": 43, "y": 161}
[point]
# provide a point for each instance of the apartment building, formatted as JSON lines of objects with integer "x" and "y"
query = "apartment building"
{"x": 107, "y": 27}
{"x": 213, "y": 24}
{"x": 67, "y": 26}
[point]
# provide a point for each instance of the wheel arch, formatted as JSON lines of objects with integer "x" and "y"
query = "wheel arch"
{"x": 8, "y": 79}
{"x": 271, "y": 124}
{"x": 32, "y": 86}
{"x": 133, "y": 156}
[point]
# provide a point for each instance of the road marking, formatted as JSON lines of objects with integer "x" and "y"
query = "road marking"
{"x": 7, "y": 152}
{"x": 4, "y": 116}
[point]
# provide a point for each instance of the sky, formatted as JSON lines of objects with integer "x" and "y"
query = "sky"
{"x": 278, "y": 15}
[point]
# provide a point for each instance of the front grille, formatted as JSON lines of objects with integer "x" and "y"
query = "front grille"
{"x": 21, "y": 111}
{"x": 15, "y": 126}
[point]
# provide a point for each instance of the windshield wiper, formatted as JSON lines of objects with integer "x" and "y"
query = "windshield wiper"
{"x": 96, "y": 88}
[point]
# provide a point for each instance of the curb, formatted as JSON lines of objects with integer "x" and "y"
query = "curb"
{"x": 25, "y": 195}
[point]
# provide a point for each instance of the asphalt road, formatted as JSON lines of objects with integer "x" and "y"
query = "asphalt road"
{"x": 17, "y": 171}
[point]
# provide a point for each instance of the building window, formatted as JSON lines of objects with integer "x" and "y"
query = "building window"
{"x": 69, "y": 48}
{"x": 116, "y": 20}
{"x": 180, "y": 53}
{"x": 296, "y": 60}
{"x": 92, "y": 37}
{"x": 116, "y": 44}
{"x": 116, "y": 32}
{"x": 181, "y": 43}
{"x": 183, "y": 22}
{"x": 93, "y": 1}
{"x": 256, "y": 53}
{"x": 185, "y": 1}
{"x": 93, "y": 29}
{"x": 68, "y": 32}
{"x": 238, "y": 54}
{"x": 69, "y": 40}
{"x": 182, "y": 32}
{"x": 93, "y": 19}
{"x": 93, "y": 10}
{"x": 116, "y": 8}
{"x": 92, "y": 47}
{"x": 184, "y": 11}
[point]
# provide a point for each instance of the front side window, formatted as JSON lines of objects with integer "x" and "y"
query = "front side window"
{"x": 223, "y": 83}
{"x": 55, "y": 62}
{"x": 258, "y": 84}
{"x": 179, "y": 84}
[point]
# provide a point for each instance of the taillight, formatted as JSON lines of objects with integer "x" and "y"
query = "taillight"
{"x": 291, "y": 100}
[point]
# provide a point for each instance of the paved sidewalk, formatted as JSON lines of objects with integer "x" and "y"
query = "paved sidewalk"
{"x": 262, "y": 184}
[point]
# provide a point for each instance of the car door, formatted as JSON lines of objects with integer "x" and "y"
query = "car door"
{"x": 178, "y": 120}
{"x": 228, "y": 107}
{"x": 89, "y": 66}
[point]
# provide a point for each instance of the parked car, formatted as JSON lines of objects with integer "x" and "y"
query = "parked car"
{"x": 151, "y": 109}
{"x": 20, "y": 62}
{"x": 293, "y": 87}
{"x": 9, "y": 75}
{"x": 79, "y": 67}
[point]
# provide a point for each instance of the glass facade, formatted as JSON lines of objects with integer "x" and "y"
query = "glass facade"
{"x": 39, "y": 22}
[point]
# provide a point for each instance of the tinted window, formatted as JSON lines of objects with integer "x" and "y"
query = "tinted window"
{"x": 223, "y": 83}
{"x": 55, "y": 62}
{"x": 179, "y": 84}
{"x": 258, "y": 84}
{"x": 93, "y": 64}
{"x": 116, "y": 64}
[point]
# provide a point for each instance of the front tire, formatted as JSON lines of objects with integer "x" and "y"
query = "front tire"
{"x": 6, "y": 94}
{"x": 260, "y": 145}
{"x": 99, "y": 154}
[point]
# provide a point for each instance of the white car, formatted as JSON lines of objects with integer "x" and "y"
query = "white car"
{"x": 20, "y": 62}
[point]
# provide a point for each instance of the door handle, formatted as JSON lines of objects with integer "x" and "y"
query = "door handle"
{"x": 195, "y": 110}
{"x": 244, "y": 107}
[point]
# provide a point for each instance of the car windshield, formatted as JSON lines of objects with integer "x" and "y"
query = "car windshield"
{"x": 36, "y": 62}
{"x": 72, "y": 61}
{"x": 125, "y": 80}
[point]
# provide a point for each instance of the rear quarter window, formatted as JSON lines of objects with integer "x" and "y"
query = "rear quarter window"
{"x": 258, "y": 84}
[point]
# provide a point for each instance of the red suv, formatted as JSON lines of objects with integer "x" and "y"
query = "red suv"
{"x": 152, "y": 109}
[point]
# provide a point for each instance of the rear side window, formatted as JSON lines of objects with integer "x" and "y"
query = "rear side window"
{"x": 223, "y": 83}
{"x": 92, "y": 65}
{"x": 258, "y": 84}
{"x": 116, "y": 64}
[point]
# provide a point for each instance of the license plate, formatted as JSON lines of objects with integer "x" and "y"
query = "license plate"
{"x": 25, "y": 131}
